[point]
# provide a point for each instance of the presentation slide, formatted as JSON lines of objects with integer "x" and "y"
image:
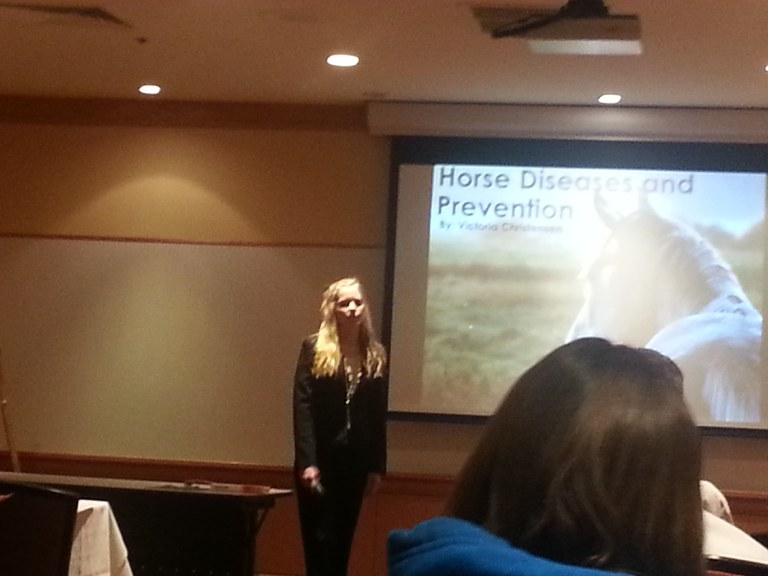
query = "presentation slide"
{"x": 495, "y": 266}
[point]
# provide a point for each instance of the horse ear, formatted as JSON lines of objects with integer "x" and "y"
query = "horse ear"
{"x": 607, "y": 213}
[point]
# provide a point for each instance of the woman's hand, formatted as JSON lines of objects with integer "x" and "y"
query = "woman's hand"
{"x": 310, "y": 477}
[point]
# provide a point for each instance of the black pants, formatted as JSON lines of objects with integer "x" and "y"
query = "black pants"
{"x": 328, "y": 520}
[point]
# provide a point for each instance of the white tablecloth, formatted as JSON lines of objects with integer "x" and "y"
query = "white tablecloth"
{"x": 98, "y": 548}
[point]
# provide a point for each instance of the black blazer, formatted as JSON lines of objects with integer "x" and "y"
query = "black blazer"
{"x": 320, "y": 417}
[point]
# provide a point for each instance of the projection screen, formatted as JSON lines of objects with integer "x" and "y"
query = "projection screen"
{"x": 502, "y": 251}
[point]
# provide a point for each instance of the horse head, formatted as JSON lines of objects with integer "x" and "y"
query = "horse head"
{"x": 649, "y": 272}
{"x": 660, "y": 284}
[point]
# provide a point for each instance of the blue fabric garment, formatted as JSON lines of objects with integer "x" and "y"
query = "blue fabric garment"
{"x": 451, "y": 547}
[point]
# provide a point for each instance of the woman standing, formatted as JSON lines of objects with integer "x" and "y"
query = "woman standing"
{"x": 339, "y": 424}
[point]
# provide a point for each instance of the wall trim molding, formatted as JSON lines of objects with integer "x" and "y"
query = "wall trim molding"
{"x": 180, "y": 114}
{"x": 184, "y": 242}
{"x": 181, "y": 470}
{"x": 743, "y": 503}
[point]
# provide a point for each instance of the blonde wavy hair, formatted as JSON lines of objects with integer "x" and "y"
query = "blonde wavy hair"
{"x": 328, "y": 350}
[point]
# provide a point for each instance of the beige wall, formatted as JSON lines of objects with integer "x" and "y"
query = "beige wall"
{"x": 202, "y": 185}
{"x": 296, "y": 186}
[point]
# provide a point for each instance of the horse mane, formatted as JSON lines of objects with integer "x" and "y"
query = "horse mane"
{"x": 695, "y": 276}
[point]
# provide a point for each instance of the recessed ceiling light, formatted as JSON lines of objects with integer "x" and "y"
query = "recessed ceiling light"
{"x": 342, "y": 60}
{"x": 609, "y": 99}
{"x": 150, "y": 89}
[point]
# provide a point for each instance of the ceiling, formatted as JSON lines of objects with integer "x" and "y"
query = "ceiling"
{"x": 702, "y": 53}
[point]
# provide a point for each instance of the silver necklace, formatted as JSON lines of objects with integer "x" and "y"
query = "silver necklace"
{"x": 352, "y": 378}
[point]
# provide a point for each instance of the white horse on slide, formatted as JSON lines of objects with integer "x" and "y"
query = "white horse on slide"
{"x": 661, "y": 285}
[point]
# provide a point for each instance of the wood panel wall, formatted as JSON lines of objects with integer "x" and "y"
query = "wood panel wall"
{"x": 403, "y": 501}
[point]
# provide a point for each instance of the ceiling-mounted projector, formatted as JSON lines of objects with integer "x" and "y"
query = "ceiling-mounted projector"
{"x": 579, "y": 27}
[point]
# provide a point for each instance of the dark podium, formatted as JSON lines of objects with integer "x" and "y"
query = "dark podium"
{"x": 178, "y": 528}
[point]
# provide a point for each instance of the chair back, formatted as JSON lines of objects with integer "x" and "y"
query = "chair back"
{"x": 37, "y": 526}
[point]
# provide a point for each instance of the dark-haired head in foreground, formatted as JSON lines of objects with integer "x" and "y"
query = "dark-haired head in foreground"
{"x": 592, "y": 459}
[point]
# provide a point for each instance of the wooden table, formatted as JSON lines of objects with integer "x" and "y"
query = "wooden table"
{"x": 178, "y": 528}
